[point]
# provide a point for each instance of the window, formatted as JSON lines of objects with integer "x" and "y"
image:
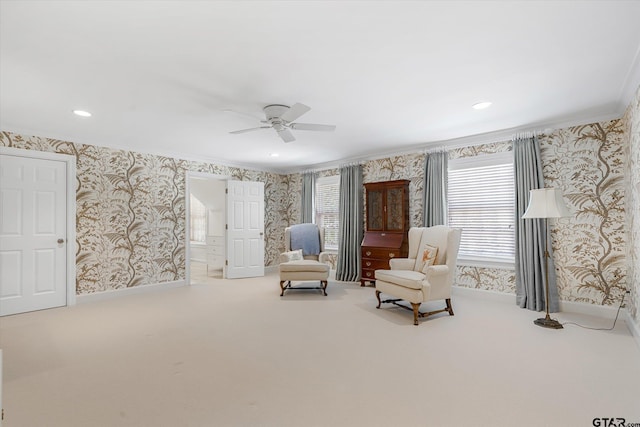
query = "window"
{"x": 326, "y": 209}
{"x": 481, "y": 201}
{"x": 198, "y": 220}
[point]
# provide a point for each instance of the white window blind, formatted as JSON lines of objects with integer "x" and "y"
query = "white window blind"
{"x": 481, "y": 201}
{"x": 326, "y": 208}
{"x": 198, "y": 219}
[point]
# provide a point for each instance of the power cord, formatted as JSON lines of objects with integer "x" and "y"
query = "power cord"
{"x": 602, "y": 329}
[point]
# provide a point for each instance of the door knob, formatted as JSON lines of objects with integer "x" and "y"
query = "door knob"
{"x": 60, "y": 241}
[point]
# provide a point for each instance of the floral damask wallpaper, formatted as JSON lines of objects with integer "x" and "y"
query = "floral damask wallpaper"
{"x": 130, "y": 212}
{"x": 632, "y": 196}
{"x": 587, "y": 163}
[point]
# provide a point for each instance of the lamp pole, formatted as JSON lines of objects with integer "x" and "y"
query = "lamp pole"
{"x": 547, "y": 322}
{"x": 546, "y": 203}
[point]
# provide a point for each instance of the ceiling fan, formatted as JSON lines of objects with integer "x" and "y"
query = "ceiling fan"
{"x": 280, "y": 118}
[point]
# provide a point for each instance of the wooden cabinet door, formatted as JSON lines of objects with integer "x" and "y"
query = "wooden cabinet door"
{"x": 375, "y": 210}
{"x": 394, "y": 213}
{"x": 387, "y": 206}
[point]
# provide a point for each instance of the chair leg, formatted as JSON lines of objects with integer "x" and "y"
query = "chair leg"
{"x": 378, "y": 296}
{"x": 416, "y": 312}
{"x": 282, "y": 286}
{"x": 323, "y": 284}
{"x": 449, "y": 308}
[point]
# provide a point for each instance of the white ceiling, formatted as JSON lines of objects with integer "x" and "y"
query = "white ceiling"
{"x": 392, "y": 75}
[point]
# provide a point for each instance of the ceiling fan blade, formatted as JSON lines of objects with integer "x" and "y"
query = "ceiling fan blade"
{"x": 286, "y": 135}
{"x": 295, "y": 111}
{"x": 312, "y": 126}
{"x": 249, "y": 130}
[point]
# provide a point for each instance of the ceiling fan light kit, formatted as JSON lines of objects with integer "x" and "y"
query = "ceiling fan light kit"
{"x": 280, "y": 118}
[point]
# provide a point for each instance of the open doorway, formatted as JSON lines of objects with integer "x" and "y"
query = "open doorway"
{"x": 205, "y": 240}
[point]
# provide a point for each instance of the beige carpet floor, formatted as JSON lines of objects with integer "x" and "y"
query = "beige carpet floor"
{"x": 234, "y": 353}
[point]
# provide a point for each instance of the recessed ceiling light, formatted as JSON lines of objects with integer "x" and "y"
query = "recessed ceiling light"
{"x": 274, "y": 155}
{"x": 481, "y": 105}
{"x": 82, "y": 113}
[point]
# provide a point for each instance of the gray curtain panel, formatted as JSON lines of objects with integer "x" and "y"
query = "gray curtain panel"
{"x": 531, "y": 234}
{"x": 308, "y": 190}
{"x": 434, "y": 196}
{"x": 351, "y": 223}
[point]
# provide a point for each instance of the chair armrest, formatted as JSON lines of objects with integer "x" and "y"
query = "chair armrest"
{"x": 436, "y": 270}
{"x": 437, "y": 282}
{"x": 402, "y": 263}
{"x": 324, "y": 257}
{"x": 283, "y": 257}
{"x": 437, "y": 276}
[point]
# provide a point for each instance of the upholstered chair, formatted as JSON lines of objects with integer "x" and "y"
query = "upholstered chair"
{"x": 428, "y": 272}
{"x": 304, "y": 261}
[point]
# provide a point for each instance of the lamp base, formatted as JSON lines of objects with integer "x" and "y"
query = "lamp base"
{"x": 548, "y": 322}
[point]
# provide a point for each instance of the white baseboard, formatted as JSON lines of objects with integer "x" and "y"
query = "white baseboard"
{"x": 634, "y": 328}
{"x": 602, "y": 311}
{"x": 484, "y": 294}
{"x": 116, "y": 293}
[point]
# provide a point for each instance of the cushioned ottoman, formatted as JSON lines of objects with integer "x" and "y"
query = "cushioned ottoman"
{"x": 303, "y": 270}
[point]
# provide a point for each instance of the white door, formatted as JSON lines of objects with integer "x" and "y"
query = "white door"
{"x": 245, "y": 229}
{"x": 32, "y": 234}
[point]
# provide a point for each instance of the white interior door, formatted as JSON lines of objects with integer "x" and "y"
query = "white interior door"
{"x": 245, "y": 229}
{"x": 32, "y": 234}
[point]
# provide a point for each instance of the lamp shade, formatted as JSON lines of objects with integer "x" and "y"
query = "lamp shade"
{"x": 546, "y": 203}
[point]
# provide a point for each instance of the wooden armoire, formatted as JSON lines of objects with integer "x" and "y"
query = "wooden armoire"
{"x": 386, "y": 226}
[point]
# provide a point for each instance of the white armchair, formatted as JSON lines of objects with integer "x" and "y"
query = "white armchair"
{"x": 428, "y": 272}
{"x": 295, "y": 266}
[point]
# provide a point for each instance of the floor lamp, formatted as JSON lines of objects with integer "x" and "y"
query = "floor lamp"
{"x": 546, "y": 203}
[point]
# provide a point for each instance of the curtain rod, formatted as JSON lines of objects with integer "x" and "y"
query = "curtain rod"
{"x": 316, "y": 171}
{"x": 345, "y": 165}
{"x": 440, "y": 149}
{"x": 529, "y": 134}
